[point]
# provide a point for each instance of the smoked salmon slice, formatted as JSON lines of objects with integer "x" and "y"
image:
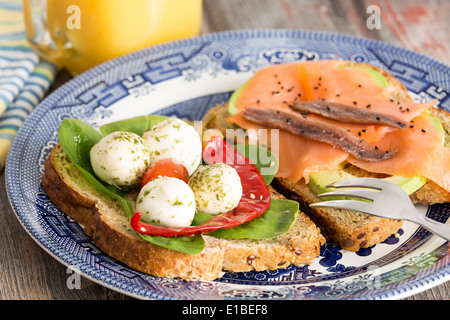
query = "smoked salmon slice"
{"x": 420, "y": 153}
{"x": 278, "y": 86}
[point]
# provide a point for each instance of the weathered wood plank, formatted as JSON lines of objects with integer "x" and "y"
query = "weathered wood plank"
{"x": 29, "y": 272}
{"x": 324, "y": 15}
{"x": 417, "y": 25}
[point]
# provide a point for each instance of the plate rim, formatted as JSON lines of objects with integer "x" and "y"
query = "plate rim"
{"x": 307, "y": 35}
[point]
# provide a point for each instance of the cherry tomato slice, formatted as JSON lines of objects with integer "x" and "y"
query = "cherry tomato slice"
{"x": 165, "y": 168}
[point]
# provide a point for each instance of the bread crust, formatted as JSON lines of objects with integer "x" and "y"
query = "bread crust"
{"x": 90, "y": 209}
{"x": 77, "y": 206}
{"x": 146, "y": 257}
{"x": 107, "y": 225}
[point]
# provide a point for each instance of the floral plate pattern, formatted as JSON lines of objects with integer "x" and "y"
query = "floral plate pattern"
{"x": 185, "y": 79}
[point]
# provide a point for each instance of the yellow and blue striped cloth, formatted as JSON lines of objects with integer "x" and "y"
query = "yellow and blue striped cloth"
{"x": 24, "y": 78}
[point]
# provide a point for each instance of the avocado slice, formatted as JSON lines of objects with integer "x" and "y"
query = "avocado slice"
{"x": 435, "y": 121}
{"x": 232, "y": 109}
{"x": 319, "y": 181}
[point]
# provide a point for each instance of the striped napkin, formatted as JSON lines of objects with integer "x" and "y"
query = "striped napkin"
{"x": 24, "y": 78}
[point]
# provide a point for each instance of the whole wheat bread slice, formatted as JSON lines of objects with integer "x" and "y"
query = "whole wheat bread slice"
{"x": 350, "y": 230}
{"x": 105, "y": 222}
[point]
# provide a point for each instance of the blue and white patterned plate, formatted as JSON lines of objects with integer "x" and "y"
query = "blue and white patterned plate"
{"x": 185, "y": 78}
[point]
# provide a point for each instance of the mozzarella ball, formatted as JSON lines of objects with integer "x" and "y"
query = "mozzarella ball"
{"x": 217, "y": 188}
{"x": 173, "y": 138}
{"x": 120, "y": 159}
{"x": 166, "y": 201}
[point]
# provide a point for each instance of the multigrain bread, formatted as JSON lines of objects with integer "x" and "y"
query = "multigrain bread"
{"x": 301, "y": 244}
{"x": 350, "y": 230}
{"x": 106, "y": 223}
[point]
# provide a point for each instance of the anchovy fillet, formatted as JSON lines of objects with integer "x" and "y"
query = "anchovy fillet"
{"x": 317, "y": 130}
{"x": 347, "y": 113}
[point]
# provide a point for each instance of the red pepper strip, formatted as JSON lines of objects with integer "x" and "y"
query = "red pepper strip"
{"x": 254, "y": 202}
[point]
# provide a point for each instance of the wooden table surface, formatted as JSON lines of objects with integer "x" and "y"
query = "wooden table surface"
{"x": 29, "y": 272}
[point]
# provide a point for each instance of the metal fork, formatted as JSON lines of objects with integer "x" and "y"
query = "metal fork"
{"x": 383, "y": 199}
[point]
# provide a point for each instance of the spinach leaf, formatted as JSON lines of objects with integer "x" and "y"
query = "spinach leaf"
{"x": 136, "y": 125}
{"x": 276, "y": 221}
{"x": 77, "y": 138}
{"x": 262, "y": 158}
{"x": 190, "y": 245}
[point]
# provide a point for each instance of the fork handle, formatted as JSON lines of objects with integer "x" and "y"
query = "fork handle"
{"x": 438, "y": 228}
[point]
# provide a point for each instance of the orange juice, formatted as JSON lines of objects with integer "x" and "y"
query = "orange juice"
{"x": 94, "y": 31}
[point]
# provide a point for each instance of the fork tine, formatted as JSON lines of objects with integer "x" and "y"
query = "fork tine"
{"x": 371, "y": 183}
{"x": 363, "y": 194}
{"x": 354, "y": 205}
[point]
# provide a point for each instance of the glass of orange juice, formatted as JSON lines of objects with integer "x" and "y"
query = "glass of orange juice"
{"x": 79, "y": 34}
